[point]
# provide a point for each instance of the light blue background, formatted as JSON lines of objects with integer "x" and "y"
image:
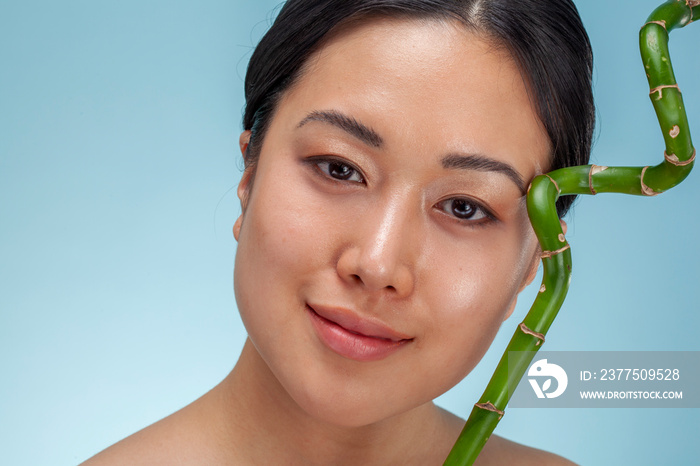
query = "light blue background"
{"x": 119, "y": 124}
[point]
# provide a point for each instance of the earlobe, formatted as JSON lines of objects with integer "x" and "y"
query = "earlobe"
{"x": 237, "y": 227}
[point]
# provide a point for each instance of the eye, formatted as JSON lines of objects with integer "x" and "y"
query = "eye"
{"x": 464, "y": 209}
{"x": 339, "y": 170}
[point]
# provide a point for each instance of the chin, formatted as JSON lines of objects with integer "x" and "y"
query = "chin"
{"x": 348, "y": 413}
{"x": 360, "y": 400}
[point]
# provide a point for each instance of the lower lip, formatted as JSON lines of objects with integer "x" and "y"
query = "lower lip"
{"x": 352, "y": 345}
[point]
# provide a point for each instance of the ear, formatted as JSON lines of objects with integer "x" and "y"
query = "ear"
{"x": 243, "y": 142}
{"x": 244, "y": 185}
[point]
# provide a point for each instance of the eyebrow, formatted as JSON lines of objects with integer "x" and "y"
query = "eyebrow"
{"x": 482, "y": 163}
{"x": 347, "y": 124}
{"x": 370, "y": 137}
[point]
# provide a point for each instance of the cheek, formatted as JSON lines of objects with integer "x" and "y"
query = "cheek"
{"x": 486, "y": 270}
{"x": 283, "y": 239}
{"x": 471, "y": 291}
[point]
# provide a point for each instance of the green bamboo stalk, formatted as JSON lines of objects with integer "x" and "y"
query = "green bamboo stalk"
{"x": 544, "y": 191}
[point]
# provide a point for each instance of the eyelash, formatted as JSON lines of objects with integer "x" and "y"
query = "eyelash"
{"x": 323, "y": 166}
{"x": 485, "y": 215}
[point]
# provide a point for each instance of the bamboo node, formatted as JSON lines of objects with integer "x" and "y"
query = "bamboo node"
{"x": 675, "y": 131}
{"x": 540, "y": 336}
{"x": 547, "y": 254}
{"x": 554, "y": 183}
{"x": 488, "y": 406}
{"x": 673, "y": 159}
{"x": 595, "y": 169}
{"x": 646, "y": 190}
{"x": 660, "y": 89}
{"x": 543, "y": 288}
{"x": 661, "y": 23}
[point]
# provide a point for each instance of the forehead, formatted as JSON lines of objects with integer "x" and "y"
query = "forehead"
{"x": 425, "y": 81}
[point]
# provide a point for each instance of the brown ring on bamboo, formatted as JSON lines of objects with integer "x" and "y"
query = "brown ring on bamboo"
{"x": 673, "y": 159}
{"x": 690, "y": 4}
{"x": 554, "y": 182}
{"x": 525, "y": 329}
{"x": 594, "y": 169}
{"x": 547, "y": 254}
{"x": 660, "y": 89}
{"x": 646, "y": 190}
{"x": 660, "y": 23}
{"x": 488, "y": 406}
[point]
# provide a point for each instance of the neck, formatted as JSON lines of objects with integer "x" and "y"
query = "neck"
{"x": 266, "y": 426}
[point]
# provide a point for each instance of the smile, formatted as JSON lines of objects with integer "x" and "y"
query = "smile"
{"x": 353, "y": 337}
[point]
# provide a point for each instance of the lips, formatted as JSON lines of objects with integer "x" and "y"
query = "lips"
{"x": 354, "y": 337}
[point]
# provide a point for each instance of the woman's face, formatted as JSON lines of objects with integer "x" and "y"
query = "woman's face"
{"x": 385, "y": 236}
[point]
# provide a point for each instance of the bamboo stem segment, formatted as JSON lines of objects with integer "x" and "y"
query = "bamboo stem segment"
{"x": 544, "y": 190}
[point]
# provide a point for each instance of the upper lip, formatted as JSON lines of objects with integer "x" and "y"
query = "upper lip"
{"x": 367, "y": 326}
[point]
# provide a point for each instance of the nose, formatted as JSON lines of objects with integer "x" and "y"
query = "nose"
{"x": 382, "y": 250}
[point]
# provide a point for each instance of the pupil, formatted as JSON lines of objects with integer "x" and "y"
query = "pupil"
{"x": 339, "y": 170}
{"x": 462, "y": 209}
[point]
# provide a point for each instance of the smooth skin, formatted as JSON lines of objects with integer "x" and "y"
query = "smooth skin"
{"x": 390, "y": 185}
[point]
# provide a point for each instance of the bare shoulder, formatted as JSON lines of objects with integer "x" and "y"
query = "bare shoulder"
{"x": 152, "y": 445}
{"x": 499, "y": 450}
{"x": 179, "y": 439}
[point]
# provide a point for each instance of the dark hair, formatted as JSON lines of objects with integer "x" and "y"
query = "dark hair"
{"x": 545, "y": 37}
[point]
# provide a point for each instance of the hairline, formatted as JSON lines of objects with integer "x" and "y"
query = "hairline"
{"x": 360, "y": 18}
